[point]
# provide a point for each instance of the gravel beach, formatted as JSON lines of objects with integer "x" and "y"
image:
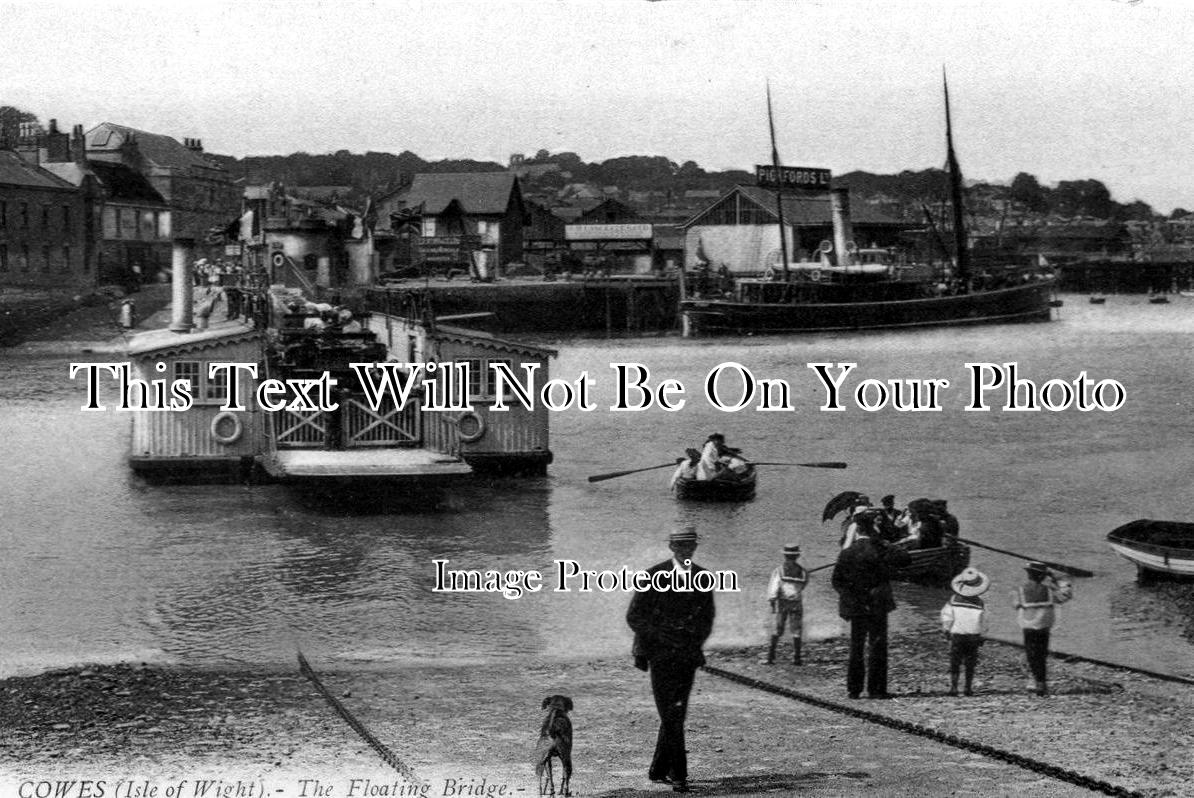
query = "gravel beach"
{"x": 472, "y": 728}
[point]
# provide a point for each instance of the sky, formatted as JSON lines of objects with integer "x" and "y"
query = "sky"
{"x": 1061, "y": 89}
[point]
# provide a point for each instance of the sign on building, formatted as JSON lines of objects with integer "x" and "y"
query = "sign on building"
{"x": 803, "y": 178}
{"x": 607, "y": 232}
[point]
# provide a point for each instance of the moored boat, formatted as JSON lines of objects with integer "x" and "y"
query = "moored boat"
{"x": 723, "y": 488}
{"x": 1155, "y": 547}
{"x": 847, "y": 290}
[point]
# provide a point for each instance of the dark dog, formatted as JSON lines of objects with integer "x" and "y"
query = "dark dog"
{"x": 555, "y": 740}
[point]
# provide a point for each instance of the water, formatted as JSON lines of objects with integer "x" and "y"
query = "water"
{"x": 99, "y": 566}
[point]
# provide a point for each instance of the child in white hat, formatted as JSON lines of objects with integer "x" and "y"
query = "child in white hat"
{"x": 785, "y": 593}
{"x": 964, "y": 619}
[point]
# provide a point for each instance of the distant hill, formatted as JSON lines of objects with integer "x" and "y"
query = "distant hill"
{"x": 901, "y": 195}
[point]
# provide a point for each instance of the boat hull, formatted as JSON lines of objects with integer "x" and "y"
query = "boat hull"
{"x": 717, "y": 490}
{"x": 1022, "y": 303}
{"x": 935, "y": 566}
{"x": 1156, "y": 547}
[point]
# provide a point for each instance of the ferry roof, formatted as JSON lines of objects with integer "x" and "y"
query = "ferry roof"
{"x": 484, "y": 339}
{"x": 166, "y": 342}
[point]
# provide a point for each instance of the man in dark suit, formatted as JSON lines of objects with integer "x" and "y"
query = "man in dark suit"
{"x": 862, "y": 578}
{"x": 670, "y": 627}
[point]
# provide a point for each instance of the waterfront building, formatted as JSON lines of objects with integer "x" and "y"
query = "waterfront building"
{"x": 741, "y": 229}
{"x": 471, "y": 221}
{"x": 126, "y": 221}
{"x": 43, "y": 228}
{"x": 302, "y": 242}
{"x": 200, "y": 194}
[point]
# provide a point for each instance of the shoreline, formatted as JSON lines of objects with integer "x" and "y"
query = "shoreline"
{"x": 271, "y": 726}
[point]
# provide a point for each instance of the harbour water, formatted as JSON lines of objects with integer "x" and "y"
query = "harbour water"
{"x": 99, "y": 566}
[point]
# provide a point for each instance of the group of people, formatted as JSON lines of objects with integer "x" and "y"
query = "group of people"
{"x": 670, "y": 628}
{"x": 923, "y": 524}
{"x": 714, "y": 460}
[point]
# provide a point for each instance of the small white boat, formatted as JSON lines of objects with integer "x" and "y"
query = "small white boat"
{"x": 1156, "y": 547}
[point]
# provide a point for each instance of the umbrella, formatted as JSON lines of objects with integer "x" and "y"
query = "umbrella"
{"x": 843, "y": 501}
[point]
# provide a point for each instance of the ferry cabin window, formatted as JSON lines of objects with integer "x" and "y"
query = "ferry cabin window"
{"x": 204, "y": 390}
{"x": 216, "y": 388}
{"x": 189, "y": 370}
{"x": 482, "y": 382}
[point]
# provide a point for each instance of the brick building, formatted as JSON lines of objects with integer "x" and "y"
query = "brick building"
{"x": 43, "y": 228}
{"x": 200, "y": 194}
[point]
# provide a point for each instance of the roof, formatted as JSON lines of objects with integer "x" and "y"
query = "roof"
{"x": 123, "y": 183}
{"x": 16, "y": 171}
{"x": 810, "y": 210}
{"x": 164, "y": 342}
{"x": 485, "y": 340}
{"x": 476, "y": 192}
{"x": 156, "y": 148}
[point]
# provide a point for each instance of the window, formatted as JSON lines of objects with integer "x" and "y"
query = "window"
{"x": 24, "y": 215}
{"x": 188, "y": 370}
{"x": 66, "y": 220}
{"x": 111, "y": 223}
{"x": 3, "y": 213}
{"x": 482, "y": 382}
{"x": 429, "y": 227}
{"x": 204, "y": 390}
{"x": 3, "y": 257}
{"x": 66, "y": 257}
{"x": 23, "y": 263}
{"x": 216, "y": 389}
{"x": 147, "y": 225}
{"x": 45, "y": 257}
{"x": 45, "y": 217}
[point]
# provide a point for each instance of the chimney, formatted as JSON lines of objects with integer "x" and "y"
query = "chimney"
{"x": 843, "y": 231}
{"x": 195, "y": 145}
{"x": 57, "y": 144}
{"x": 30, "y": 140}
{"x": 183, "y": 294}
{"x": 78, "y": 145}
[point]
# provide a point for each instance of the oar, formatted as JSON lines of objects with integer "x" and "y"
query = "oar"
{"x": 820, "y": 567}
{"x": 1069, "y": 569}
{"x": 830, "y": 464}
{"x": 612, "y": 474}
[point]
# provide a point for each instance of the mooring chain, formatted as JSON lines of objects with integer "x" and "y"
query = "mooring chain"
{"x": 1035, "y": 765}
{"x": 385, "y": 753}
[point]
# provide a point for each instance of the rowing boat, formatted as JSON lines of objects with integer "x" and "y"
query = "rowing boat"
{"x": 936, "y": 565}
{"x": 727, "y": 487}
{"x": 1156, "y": 547}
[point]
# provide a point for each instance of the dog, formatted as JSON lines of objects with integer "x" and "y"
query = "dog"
{"x": 555, "y": 740}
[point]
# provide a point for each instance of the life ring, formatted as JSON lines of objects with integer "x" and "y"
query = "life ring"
{"x": 233, "y": 435}
{"x": 470, "y": 427}
{"x": 769, "y": 275}
{"x": 815, "y": 275}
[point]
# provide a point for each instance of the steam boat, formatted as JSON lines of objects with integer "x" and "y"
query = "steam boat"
{"x": 849, "y": 288}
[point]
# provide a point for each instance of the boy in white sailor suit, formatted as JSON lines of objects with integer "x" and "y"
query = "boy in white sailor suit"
{"x": 964, "y": 620}
{"x": 785, "y": 593}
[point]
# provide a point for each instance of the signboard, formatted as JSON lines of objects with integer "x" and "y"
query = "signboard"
{"x": 607, "y": 232}
{"x": 448, "y": 250}
{"x": 804, "y": 178}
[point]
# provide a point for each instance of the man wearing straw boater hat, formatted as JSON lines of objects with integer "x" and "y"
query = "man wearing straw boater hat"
{"x": 785, "y": 593}
{"x": 964, "y": 620}
{"x": 1034, "y": 611}
{"x": 669, "y": 629}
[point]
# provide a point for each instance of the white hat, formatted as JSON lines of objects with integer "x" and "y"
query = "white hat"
{"x": 970, "y": 583}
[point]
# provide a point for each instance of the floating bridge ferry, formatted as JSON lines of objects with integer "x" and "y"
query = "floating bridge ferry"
{"x": 301, "y": 413}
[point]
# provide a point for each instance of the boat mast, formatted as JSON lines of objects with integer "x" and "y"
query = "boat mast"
{"x": 961, "y": 246}
{"x": 779, "y": 201}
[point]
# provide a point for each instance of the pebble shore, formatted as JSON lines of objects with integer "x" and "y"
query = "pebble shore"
{"x": 475, "y": 725}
